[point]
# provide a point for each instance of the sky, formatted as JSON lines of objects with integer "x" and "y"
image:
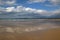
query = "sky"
{"x": 13, "y": 8}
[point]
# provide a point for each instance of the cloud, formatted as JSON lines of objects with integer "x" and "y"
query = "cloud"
{"x": 10, "y": 9}
{"x": 21, "y": 10}
{"x": 7, "y": 2}
{"x": 56, "y": 11}
{"x": 53, "y": 2}
{"x": 13, "y": 2}
{"x": 35, "y": 1}
{"x": 2, "y": 9}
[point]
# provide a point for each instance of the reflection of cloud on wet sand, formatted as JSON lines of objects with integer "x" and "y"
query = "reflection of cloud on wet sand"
{"x": 51, "y": 34}
{"x": 27, "y": 26}
{"x": 30, "y": 30}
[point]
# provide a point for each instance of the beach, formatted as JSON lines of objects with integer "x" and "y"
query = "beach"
{"x": 30, "y": 29}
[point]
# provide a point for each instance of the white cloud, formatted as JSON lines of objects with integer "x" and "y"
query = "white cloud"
{"x": 7, "y": 2}
{"x": 36, "y": 1}
{"x": 30, "y": 9}
{"x": 21, "y": 9}
{"x": 2, "y": 9}
{"x": 56, "y": 11}
{"x": 10, "y": 9}
{"x": 26, "y": 10}
{"x": 10, "y": 2}
{"x": 55, "y": 2}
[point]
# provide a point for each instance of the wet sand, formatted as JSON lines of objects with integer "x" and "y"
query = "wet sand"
{"x": 37, "y": 30}
{"x": 51, "y": 34}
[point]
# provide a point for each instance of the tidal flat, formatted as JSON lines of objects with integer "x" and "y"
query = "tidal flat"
{"x": 30, "y": 29}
